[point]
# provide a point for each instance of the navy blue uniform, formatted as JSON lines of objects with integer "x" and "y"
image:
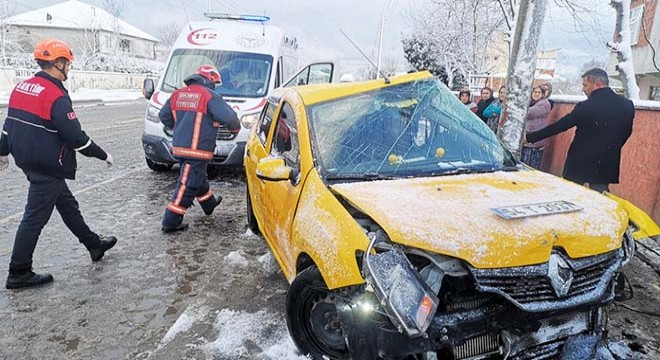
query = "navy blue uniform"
{"x": 42, "y": 133}
{"x": 195, "y": 112}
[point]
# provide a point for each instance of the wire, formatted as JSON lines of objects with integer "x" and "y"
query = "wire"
{"x": 636, "y": 310}
{"x": 647, "y": 40}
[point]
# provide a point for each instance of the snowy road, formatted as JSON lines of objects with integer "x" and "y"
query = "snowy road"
{"x": 211, "y": 293}
{"x": 123, "y": 307}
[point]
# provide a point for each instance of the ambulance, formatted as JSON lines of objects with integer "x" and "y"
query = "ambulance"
{"x": 252, "y": 57}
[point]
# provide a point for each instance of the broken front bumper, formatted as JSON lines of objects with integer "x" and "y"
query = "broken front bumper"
{"x": 500, "y": 330}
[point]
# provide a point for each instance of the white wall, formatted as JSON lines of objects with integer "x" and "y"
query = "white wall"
{"x": 78, "y": 79}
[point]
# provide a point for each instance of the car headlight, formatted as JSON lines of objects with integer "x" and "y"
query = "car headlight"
{"x": 407, "y": 299}
{"x": 152, "y": 114}
{"x": 250, "y": 119}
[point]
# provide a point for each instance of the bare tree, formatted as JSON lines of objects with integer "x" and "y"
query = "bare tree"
{"x": 623, "y": 48}
{"x": 456, "y": 34}
{"x": 168, "y": 33}
{"x": 116, "y": 9}
{"x": 520, "y": 75}
{"x": 7, "y": 10}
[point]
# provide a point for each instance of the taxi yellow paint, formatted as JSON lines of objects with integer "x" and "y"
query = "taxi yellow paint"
{"x": 304, "y": 220}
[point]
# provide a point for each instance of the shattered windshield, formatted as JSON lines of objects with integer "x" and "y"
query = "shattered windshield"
{"x": 414, "y": 129}
{"x": 243, "y": 74}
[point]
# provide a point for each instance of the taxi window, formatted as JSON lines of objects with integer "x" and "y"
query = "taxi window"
{"x": 320, "y": 73}
{"x": 285, "y": 142}
{"x": 265, "y": 120}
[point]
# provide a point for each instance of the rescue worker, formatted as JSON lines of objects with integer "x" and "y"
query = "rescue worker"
{"x": 42, "y": 133}
{"x": 195, "y": 112}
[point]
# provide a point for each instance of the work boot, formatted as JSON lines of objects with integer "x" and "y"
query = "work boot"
{"x": 209, "y": 206}
{"x": 27, "y": 279}
{"x": 107, "y": 242}
{"x": 171, "y": 229}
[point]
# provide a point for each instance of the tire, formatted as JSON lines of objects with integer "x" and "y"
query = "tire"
{"x": 312, "y": 318}
{"x": 251, "y": 220}
{"x": 212, "y": 171}
{"x": 158, "y": 167}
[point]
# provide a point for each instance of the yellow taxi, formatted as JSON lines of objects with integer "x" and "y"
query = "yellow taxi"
{"x": 405, "y": 228}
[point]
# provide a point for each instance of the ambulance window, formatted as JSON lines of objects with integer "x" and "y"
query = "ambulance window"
{"x": 320, "y": 73}
{"x": 285, "y": 142}
{"x": 265, "y": 120}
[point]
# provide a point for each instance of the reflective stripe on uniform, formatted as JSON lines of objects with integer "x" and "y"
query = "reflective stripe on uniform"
{"x": 197, "y": 154}
{"x": 5, "y": 133}
{"x": 205, "y": 196}
{"x": 176, "y": 209}
{"x": 89, "y": 142}
{"x": 182, "y": 185}
{"x": 174, "y": 115}
{"x": 197, "y": 129}
{"x": 31, "y": 124}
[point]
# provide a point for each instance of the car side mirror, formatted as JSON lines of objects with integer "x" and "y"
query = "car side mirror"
{"x": 148, "y": 88}
{"x": 273, "y": 169}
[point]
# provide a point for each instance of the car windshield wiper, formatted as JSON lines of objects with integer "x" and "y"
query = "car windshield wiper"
{"x": 170, "y": 86}
{"x": 360, "y": 177}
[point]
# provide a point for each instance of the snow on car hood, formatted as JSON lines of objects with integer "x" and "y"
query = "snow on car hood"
{"x": 453, "y": 215}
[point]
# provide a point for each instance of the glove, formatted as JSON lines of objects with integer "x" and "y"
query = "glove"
{"x": 4, "y": 163}
{"x": 109, "y": 160}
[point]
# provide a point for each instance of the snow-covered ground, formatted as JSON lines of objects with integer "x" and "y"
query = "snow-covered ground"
{"x": 91, "y": 95}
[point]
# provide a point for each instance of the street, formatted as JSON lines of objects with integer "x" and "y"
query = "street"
{"x": 212, "y": 292}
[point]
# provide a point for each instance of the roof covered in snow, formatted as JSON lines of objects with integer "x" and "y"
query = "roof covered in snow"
{"x": 74, "y": 14}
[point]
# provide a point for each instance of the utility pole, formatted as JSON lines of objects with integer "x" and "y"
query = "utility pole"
{"x": 520, "y": 75}
{"x": 210, "y": 1}
{"x": 380, "y": 44}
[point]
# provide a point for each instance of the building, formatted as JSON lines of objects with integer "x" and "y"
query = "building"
{"x": 497, "y": 58}
{"x": 645, "y": 41}
{"x": 87, "y": 29}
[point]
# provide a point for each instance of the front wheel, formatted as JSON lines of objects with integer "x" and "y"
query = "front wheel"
{"x": 312, "y": 318}
{"x": 212, "y": 171}
{"x": 158, "y": 167}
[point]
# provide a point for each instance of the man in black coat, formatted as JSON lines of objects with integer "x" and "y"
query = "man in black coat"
{"x": 603, "y": 124}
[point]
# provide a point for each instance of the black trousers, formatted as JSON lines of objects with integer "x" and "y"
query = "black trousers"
{"x": 193, "y": 184}
{"x": 47, "y": 192}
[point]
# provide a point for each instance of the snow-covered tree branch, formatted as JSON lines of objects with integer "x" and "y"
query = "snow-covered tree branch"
{"x": 455, "y": 36}
{"x": 520, "y": 76}
{"x": 623, "y": 48}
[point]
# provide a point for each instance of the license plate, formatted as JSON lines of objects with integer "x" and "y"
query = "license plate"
{"x": 530, "y": 210}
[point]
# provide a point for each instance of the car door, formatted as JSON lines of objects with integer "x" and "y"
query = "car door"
{"x": 318, "y": 73}
{"x": 280, "y": 198}
{"x": 257, "y": 148}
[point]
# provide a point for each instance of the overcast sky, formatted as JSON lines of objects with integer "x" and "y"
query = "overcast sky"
{"x": 316, "y": 23}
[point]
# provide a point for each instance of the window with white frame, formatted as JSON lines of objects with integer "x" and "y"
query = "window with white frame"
{"x": 635, "y": 23}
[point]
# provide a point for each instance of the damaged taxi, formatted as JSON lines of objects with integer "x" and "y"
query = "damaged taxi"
{"x": 406, "y": 229}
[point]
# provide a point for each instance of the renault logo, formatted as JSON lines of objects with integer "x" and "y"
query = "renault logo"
{"x": 560, "y": 274}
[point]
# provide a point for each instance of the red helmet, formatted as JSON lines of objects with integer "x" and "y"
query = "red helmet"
{"x": 210, "y": 73}
{"x": 52, "y": 49}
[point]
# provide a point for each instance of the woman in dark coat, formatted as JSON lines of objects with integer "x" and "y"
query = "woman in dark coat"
{"x": 486, "y": 99}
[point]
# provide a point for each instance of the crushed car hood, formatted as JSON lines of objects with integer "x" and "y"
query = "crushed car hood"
{"x": 453, "y": 215}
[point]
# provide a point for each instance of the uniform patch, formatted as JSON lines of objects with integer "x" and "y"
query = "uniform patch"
{"x": 72, "y": 115}
{"x": 187, "y": 101}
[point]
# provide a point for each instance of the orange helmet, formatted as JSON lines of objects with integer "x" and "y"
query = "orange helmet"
{"x": 52, "y": 49}
{"x": 209, "y": 72}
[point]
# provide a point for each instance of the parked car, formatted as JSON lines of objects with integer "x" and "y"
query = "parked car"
{"x": 404, "y": 227}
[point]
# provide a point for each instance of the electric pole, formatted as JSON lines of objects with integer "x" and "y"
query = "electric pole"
{"x": 380, "y": 44}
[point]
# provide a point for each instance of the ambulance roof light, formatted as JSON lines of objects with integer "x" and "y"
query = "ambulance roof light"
{"x": 258, "y": 18}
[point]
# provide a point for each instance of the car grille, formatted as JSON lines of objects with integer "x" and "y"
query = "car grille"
{"x": 478, "y": 346}
{"x": 225, "y": 134}
{"x": 530, "y": 288}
